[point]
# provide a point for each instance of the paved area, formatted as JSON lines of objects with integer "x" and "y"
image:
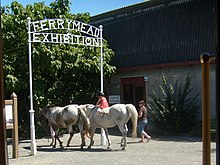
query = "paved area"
{"x": 160, "y": 150}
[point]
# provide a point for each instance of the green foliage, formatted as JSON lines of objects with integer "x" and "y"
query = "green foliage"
{"x": 176, "y": 110}
{"x": 62, "y": 74}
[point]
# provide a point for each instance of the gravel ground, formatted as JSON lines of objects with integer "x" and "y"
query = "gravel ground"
{"x": 160, "y": 150}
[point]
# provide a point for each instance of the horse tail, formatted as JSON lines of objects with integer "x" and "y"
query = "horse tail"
{"x": 134, "y": 117}
{"x": 85, "y": 120}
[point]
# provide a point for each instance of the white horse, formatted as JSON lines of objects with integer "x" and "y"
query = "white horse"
{"x": 66, "y": 117}
{"x": 118, "y": 114}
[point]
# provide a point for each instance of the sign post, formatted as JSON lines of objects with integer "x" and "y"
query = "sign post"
{"x": 43, "y": 31}
{"x": 11, "y": 111}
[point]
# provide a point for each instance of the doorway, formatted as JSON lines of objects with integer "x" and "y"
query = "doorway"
{"x": 133, "y": 90}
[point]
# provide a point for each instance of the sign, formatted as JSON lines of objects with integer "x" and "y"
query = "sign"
{"x": 9, "y": 114}
{"x": 72, "y": 32}
{"x": 114, "y": 99}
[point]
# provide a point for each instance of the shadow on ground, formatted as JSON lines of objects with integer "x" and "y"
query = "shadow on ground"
{"x": 47, "y": 148}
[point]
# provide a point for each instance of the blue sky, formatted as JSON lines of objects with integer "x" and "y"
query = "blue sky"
{"x": 94, "y": 7}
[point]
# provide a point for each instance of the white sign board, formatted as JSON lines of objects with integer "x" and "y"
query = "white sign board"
{"x": 92, "y": 35}
{"x": 114, "y": 99}
{"x": 9, "y": 114}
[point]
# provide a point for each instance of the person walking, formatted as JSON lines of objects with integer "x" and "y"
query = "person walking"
{"x": 142, "y": 122}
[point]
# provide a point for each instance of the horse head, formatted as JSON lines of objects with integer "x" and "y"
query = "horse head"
{"x": 42, "y": 116}
{"x": 43, "y": 113}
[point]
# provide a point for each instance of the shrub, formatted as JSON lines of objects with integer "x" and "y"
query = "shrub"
{"x": 176, "y": 110}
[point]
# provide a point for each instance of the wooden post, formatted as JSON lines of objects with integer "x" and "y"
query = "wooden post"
{"x": 206, "y": 137}
{"x": 215, "y": 35}
{"x": 146, "y": 89}
{"x": 15, "y": 123}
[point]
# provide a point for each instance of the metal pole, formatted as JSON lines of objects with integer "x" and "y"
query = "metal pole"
{"x": 32, "y": 126}
{"x": 3, "y": 141}
{"x": 101, "y": 57}
{"x": 103, "y": 137}
{"x": 206, "y": 137}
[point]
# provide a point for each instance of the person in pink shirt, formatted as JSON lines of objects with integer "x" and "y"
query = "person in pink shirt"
{"x": 102, "y": 102}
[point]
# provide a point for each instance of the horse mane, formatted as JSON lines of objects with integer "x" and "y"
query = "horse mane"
{"x": 85, "y": 106}
{"x": 45, "y": 109}
{"x": 50, "y": 106}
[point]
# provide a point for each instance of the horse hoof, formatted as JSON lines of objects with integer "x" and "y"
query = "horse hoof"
{"x": 92, "y": 143}
{"x": 89, "y": 147}
{"x": 53, "y": 146}
{"x": 123, "y": 148}
{"x": 109, "y": 147}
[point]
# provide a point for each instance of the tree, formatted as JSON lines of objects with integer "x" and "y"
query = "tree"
{"x": 62, "y": 74}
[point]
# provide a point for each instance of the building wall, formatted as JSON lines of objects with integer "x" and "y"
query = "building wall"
{"x": 159, "y": 36}
{"x": 114, "y": 86}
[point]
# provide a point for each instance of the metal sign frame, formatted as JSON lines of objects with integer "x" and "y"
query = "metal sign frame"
{"x": 42, "y": 31}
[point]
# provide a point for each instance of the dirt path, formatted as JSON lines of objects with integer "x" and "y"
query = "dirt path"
{"x": 158, "y": 151}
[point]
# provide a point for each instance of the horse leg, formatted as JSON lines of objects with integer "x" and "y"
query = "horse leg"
{"x": 123, "y": 129}
{"x": 86, "y": 135}
{"x": 61, "y": 143}
{"x": 55, "y": 141}
{"x": 92, "y": 131}
{"x": 83, "y": 137}
{"x": 70, "y": 130}
{"x": 125, "y": 136}
{"x": 70, "y": 138}
{"x": 56, "y": 130}
{"x": 124, "y": 132}
{"x": 107, "y": 136}
{"x": 52, "y": 134}
{"x": 57, "y": 138}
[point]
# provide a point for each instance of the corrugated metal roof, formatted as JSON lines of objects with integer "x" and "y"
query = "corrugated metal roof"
{"x": 159, "y": 32}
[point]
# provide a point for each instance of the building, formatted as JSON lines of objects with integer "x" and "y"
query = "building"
{"x": 154, "y": 37}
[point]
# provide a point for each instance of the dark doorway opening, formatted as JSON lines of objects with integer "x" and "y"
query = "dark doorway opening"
{"x": 133, "y": 90}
